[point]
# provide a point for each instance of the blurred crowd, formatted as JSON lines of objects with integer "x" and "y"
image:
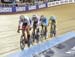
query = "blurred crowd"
{"x": 22, "y": 2}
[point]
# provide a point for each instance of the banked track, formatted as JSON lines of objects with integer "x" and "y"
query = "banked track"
{"x": 9, "y": 38}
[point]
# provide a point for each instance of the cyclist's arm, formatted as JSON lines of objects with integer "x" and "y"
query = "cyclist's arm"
{"x": 46, "y": 21}
{"x": 49, "y": 21}
{"x": 19, "y": 26}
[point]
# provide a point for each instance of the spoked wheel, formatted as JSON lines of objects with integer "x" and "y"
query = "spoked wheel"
{"x": 22, "y": 42}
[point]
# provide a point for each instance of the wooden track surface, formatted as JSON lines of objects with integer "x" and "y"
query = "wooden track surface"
{"x": 9, "y": 38}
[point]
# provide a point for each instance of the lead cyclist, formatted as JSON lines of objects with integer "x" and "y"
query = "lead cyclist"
{"x": 53, "y": 26}
{"x": 24, "y": 25}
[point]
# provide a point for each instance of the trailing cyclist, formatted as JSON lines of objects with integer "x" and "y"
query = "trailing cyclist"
{"x": 53, "y": 26}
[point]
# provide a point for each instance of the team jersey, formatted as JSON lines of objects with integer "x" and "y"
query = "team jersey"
{"x": 36, "y": 20}
{"x": 44, "y": 21}
{"x": 24, "y": 21}
{"x": 52, "y": 18}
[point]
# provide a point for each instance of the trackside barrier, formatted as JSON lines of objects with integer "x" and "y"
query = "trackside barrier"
{"x": 30, "y": 52}
{"x": 16, "y": 9}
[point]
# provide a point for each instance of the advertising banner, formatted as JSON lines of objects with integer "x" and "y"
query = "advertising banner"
{"x": 42, "y": 6}
{"x": 5, "y": 9}
{"x": 32, "y": 7}
{"x": 19, "y": 9}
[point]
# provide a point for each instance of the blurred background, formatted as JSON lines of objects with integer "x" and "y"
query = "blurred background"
{"x": 10, "y": 39}
{"x": 23, "y": 2}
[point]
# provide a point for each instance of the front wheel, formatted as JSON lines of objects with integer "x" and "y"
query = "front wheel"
{"x": 22, "y": 42}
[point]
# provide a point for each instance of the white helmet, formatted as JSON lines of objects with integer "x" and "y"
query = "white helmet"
{"x": 26, "y": 17}
{"x": 52, "y": 18}
{"x": 34, "y": 17}
{"x": 22, "y": 17}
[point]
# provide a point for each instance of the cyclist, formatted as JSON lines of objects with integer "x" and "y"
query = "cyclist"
{"x": 25, "y": 27}
{"x": 35, "y": 21}
{"x": 44, "y": 23}
{"x": 53, "y": 26}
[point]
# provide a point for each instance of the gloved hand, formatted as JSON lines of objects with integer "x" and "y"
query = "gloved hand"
{"x": 18, "y": 31}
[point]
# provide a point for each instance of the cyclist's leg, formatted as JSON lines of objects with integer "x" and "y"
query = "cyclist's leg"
{"x": 33, "y": 33}
{"x": 23, "y": 31}
{"x": 42, "y": 30}
{"x": 34, "y": 29}
{"x": 45, "y": 31}
{"x": 54, "y": 29}
{"x": 28, "y": 32}
{"x": 37, "y": 34}
{"x": 51, "y": 30}
{"x": 28, "y": 37}
{"x": 37, "y": 29}
{"x": 23, "y": 34}
{"x": 42, "y": 26}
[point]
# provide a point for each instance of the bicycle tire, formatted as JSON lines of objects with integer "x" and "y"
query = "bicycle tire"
{"x": 22, "y": 42}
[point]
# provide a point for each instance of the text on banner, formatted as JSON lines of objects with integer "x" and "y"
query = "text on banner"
{"x": 18, "y": 9}
{"x": 6, "y": 9}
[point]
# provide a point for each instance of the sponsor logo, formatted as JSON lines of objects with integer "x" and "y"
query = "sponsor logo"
{"x": 32, "y": 7}
{"x": 18, "y": 9}
{"x": 42, "y": 6}
{"x": 54, "y": 3}
{"x": 7, "y": 9}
